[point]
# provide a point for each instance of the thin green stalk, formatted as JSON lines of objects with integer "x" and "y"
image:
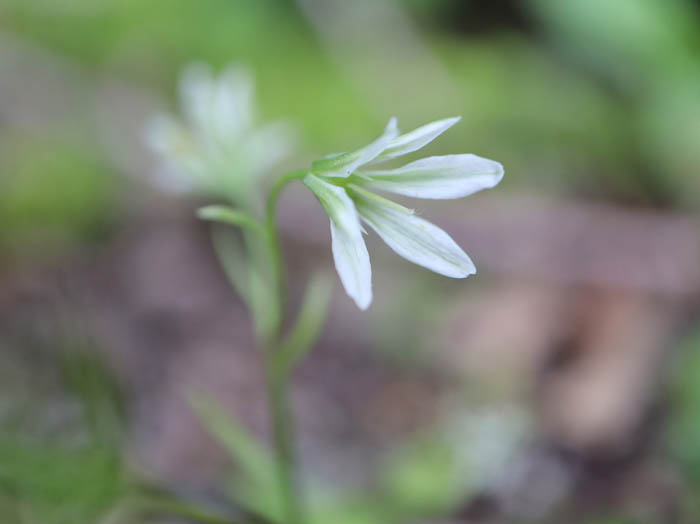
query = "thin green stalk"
{"x": 283, "y": 435}
{"x": 278, "y": 385}
{"x": 270, "y": 334}
{"x": 307, "y": 326}
{"x": 273, "y": 238}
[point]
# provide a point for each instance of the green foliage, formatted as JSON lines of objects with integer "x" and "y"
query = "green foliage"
{"x": 152, "y": 42}
{"x": 419, "y": 478}
{"x": 627, "y": 40}
{"x": 89, "y": 382}
{"x": 648, "y": 50}
{"x": 308, "y": 324}
{"x": 542, "y": 104}
{"x": 416, "y": 479}
{"x": 684, "y": 423}
{"x": 256, "y": 486}
{"x": 69, "y": 475}
{"x": 55, "y": 484}
{"x": 53, "y": 194}
{"x": 618, "y": 518}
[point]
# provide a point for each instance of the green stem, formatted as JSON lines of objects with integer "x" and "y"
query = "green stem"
{"x": 283, "y": 434}
{"x": 270, "y": 334}
{"x": 273, "y": 238}
{"x": 278, "y": 384}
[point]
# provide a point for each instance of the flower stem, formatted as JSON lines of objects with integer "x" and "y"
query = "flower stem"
{"x": 273, "y": 239}
{"x": 278, "y": 384}
{"x": 283, "y": 433}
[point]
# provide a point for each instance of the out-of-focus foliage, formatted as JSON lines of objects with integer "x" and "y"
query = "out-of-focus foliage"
{"x": 648, "y": 50}
{"x": 146, "y": 42}
{"x": 587, "y": 98}
{"x": 34, "y": 215}
{"x": 255, "y": 485}
{"x": 423, "y": 476}
{"x": 52, "y": 484}
{"x": 62, "y": 437}
{"x": 684, "y": 429}
{"x": 683, "y": 432}
{"x": 426, "y": 474}
{"x": 61, "y": 444}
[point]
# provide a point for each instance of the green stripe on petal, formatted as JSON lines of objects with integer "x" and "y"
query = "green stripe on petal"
{"x": 416, "y": 139}
{"x": 437, "y": 177}
{"x": 416, "y": 239}
{"x": 344, "y": 164}
{"x": 349, "y": 251}
{"x": 379, "y": 199}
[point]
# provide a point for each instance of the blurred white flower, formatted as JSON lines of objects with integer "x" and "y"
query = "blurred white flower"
{"x": 216, "y": 148}
{"x": 342, "y": 189}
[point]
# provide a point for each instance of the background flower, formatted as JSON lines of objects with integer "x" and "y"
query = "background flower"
{"x": 217, "y": 148}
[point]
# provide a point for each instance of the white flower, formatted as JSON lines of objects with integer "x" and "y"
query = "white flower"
{"x": 342, "y": 181}
{"x": 216, "y": 148}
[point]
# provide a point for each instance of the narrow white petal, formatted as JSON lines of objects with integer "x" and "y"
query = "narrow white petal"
{"x": 416, "y": 139}
{"x": 197, "y": 89}
{"x": 180, "y": 169}
{"x": 416, "y": 239}
{"x": 353, "y": 266}
{"x": 437, "y": 177}
{"x": 235, "y": 103}
{"x": 349, "y": 250}
{"x": 344, "y": 164}
{"x": 373, "y": 150}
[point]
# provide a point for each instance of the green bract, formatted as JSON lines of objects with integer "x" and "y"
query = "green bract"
{"x": 342, "y": 182}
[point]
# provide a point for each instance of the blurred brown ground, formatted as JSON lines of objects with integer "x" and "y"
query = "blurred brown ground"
{"x": 586, "y": 347}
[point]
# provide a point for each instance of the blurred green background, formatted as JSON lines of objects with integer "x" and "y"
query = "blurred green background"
{"x": 562, "y": 384}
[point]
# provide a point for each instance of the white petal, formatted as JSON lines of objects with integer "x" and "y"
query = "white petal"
{"x": 180, "y": 168}
{"x": 373, "y": 150}
{"x": 197, "y": 90}
{"x": 349, "y": 250}
{"x": 416, "y": 239}
{"x": 438, "y": 177}
{"x": 416, "y": 139}
{"x": 344, "y": 164}
{"x": 235, "y": 104}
